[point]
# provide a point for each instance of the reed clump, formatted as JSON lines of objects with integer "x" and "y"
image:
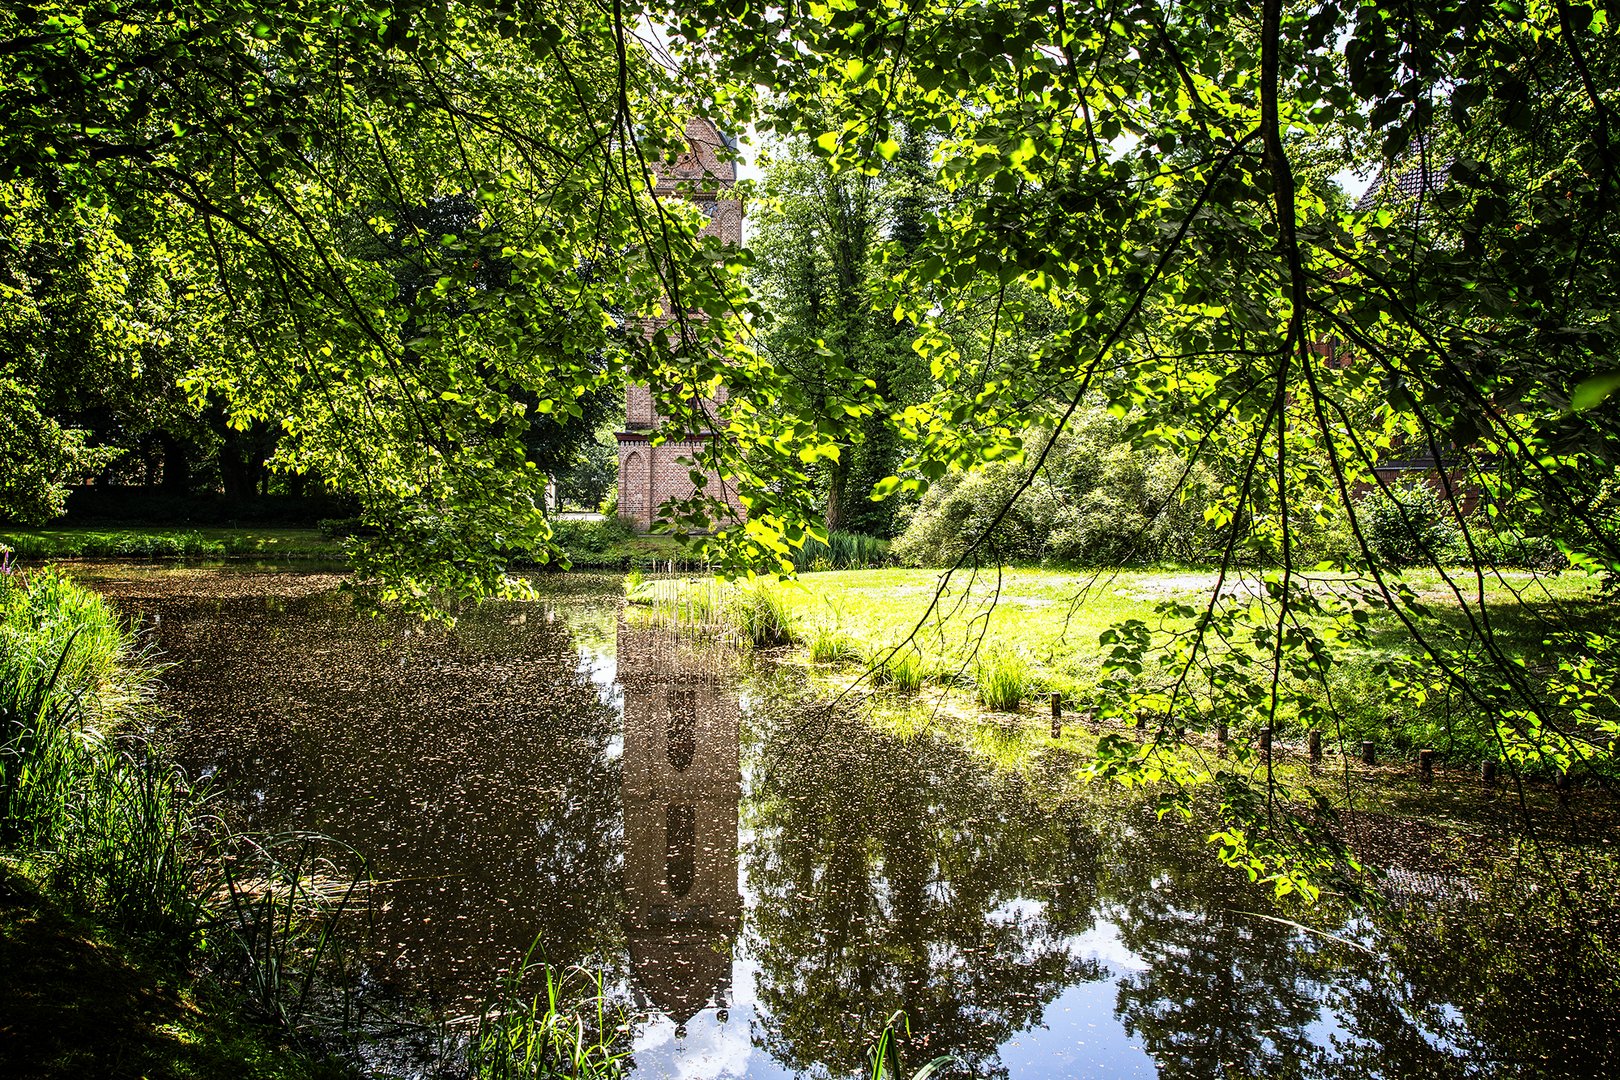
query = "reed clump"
{"x": 753, "y": 614}
{"x": 842, "y": 551}
{"x": 567, "y": 1026}
{"x": 829, "y": 645}
{"x": 1002, "y": 680}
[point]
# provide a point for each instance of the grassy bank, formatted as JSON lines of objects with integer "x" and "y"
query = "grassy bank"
{"x": 158, "y": 541}
{"x": 1005, "y": 641}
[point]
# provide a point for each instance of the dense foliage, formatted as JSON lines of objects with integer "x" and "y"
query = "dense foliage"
{"x": 1099, "y": 500}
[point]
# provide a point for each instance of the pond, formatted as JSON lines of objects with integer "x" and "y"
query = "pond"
{"x": 769, "y": 883}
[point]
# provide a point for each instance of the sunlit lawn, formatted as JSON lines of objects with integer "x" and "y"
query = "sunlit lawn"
{"x": 1053, "y": 618}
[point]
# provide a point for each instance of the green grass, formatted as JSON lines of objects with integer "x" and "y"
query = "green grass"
{"x": 1001, "y": 680}
{"x": 1052, "y": 620}
{"x": 544, "y": 1022}
{"x": 159, "y": 541}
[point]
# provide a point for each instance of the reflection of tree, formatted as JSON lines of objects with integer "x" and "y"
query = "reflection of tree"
{"x": 1223, "y": 992}
{"x": 894, "y": 874}
{"x": 1488, "y": 987}
{"x": 471, "y": 766}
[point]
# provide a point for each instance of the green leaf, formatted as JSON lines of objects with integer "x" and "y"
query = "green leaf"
{"x": 1594, "y": 391}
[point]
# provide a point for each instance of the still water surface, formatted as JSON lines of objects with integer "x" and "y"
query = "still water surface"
{"x": 769, "y": 889}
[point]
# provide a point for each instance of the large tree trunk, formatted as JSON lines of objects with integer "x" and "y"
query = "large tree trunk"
{"x": 176, "y": 465}
{"x": 837, "y": 483}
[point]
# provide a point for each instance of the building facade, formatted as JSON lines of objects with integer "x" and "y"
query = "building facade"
{"x": 651, "y": 475}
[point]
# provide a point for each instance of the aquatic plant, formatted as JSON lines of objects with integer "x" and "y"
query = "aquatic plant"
{"x": 842, "y": 551}
{"x": 109, "y": 828}
{"x": 570, "y": 1028}
{"x": 285, "y": 902}
{"x": 830, "y": 645}
{"x": 758, "y": 615}
{"x": 1003, "y": 679}
{"x": 885, "y": 1054}
{"x": 906, "y": 672}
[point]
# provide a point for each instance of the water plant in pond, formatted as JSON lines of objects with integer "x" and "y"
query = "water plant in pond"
{"x": 906, "y": 671}
{"x": 829, "y": 645}
{"x": 1003, "y": 678}
{"x": 754, "y": 614}
{"x": 885, "y": 1054}
{"x": 286, "y": 899}
{"x": 570, "y": 1028}
{"x": 109, "y": 828}
{"x": 759, "y": 615}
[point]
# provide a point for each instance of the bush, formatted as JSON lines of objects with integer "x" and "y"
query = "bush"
{"x": 1410, "y": 524}
{"x": 593, "y": 543}
{"x": 1097, "y": 501}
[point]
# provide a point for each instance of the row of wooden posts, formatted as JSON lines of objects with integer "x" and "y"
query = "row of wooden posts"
{"x": 1313, "y": 747}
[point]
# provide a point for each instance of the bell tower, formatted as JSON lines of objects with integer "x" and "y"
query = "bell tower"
{"x": 649, "y": 475}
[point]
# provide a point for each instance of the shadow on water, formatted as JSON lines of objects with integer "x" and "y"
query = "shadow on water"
{"x": 769, "y": 893}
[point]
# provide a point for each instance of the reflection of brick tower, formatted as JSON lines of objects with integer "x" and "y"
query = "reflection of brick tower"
{"x": 651, "y": 475}
{"x": 680, "y": 820}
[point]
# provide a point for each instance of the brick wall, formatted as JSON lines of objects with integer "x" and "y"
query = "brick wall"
{"x": 650, "y": 476}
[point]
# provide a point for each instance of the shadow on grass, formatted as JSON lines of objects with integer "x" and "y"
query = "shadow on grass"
{"x": 73, "y": 1005}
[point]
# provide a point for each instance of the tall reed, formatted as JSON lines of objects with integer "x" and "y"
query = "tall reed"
{"x": 842, "y": 551}
{"x": 1002, "y": 680}
{"x": 570, "y": 1028}
{"x": 286, "y": 902}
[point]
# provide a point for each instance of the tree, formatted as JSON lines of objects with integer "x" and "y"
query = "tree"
{"x": 1157, "y": 178}
{"x": 824, "y": 244}
{"x": 296, "y": 153}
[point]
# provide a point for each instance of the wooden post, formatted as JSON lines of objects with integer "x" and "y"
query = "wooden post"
{"x": 1265, "y": 741}
{"x": 1369, "y": 755}
{"x": 1313, "y": 743}
{"x": 1487, "y": 773}
{"x": 1220, "y": 734}
{"x": 1057, "y": 715}
{"x": 1426, "y": 766}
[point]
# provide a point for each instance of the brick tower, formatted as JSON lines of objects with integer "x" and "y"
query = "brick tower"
{"x": 649, "y": 475}
{"x": 681, "y": 789}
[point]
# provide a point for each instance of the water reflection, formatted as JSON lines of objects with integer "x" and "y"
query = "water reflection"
{"x": 474, "y": 769}
{"x": 505, "y": 786}
{"x": 681, "y": 790}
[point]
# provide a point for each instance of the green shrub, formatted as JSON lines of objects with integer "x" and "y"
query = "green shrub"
{"x": 1408, "y": 525}
{"x": 1002, "y": 680}
{"x": 1514, "y": 547}
{"x": 593, "y": 543}
{"x": 1096, "y": 501}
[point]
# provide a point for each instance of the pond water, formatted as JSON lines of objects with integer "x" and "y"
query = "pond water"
{"x": 769, "y": 883}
